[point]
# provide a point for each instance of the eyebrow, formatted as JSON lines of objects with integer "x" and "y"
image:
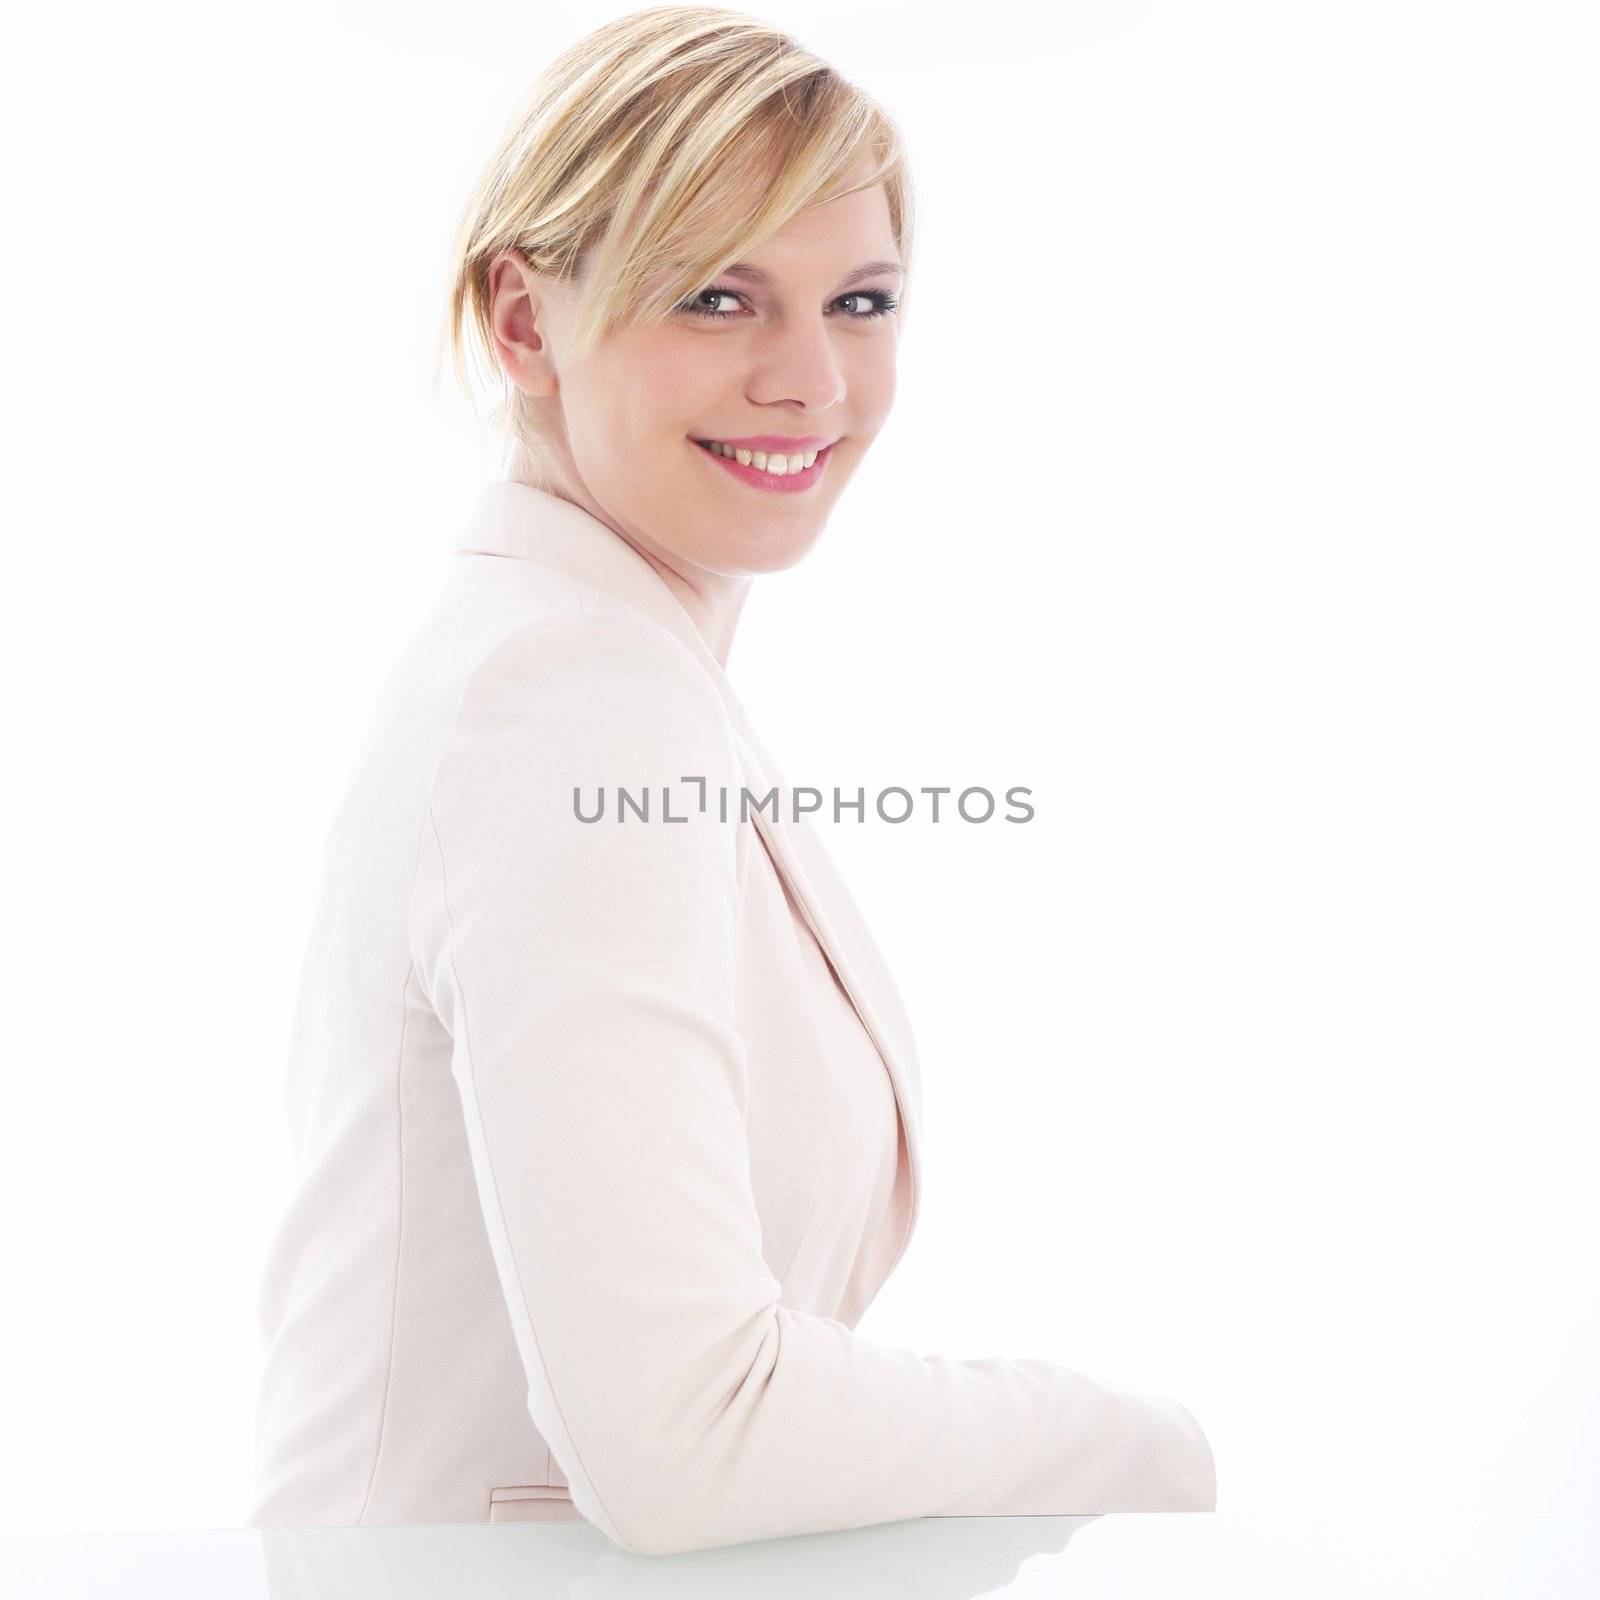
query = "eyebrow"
{"x": 743, "y": 269}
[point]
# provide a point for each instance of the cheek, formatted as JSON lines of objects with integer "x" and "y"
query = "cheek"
{"x": 630, "y": 436}
{"x": 644, "y": 390}
{"x": 669, "y": 386}
{"x": 871, "y": 382}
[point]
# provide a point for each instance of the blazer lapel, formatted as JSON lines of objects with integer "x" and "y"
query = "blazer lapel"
{"x": 840, "y": 929}
{"x": 517, "y": 520}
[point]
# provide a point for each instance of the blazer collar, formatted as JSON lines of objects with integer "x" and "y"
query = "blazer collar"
{"x": 516, "y": 520}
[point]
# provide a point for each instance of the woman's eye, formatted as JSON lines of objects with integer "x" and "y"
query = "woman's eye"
{"x": 881, "y": 303}
{"x": 694, "y": 304}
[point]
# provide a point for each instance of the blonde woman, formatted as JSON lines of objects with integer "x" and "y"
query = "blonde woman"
{"x": 608, "y": 1124}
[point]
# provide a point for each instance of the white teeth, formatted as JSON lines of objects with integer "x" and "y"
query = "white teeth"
{"x": 779, "y": 466}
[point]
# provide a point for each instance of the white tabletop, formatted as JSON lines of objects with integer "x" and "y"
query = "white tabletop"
{"x": 1191, "y": 1555}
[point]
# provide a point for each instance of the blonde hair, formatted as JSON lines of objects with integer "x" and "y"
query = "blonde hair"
{"x": 660, "y": 149}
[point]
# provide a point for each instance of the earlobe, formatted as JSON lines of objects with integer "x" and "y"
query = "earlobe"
{"x": 524, "y": 357}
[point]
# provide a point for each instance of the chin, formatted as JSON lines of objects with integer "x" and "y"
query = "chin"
{"x": 776, "y": 548}
{"x": 777, "y": 557}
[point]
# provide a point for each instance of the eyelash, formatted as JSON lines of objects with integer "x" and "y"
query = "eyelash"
{"x": 884, "y": 303}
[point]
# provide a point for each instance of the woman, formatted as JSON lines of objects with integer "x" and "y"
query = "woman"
{"x": 608, "y": 1129}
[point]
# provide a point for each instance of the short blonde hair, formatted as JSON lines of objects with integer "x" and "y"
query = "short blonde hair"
{"x": 659, "y": 149}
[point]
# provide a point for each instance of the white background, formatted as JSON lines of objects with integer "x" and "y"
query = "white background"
{"x": 1240, "y": 499}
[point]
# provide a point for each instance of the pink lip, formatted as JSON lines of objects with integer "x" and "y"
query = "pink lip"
{"x": 789, "y": 483}
{"x": 779, "y": 443}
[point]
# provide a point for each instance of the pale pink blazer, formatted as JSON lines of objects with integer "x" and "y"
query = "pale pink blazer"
{"x": 607, "y": 1132}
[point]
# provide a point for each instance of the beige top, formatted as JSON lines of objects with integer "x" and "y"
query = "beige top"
{"x": 597, "y": 1163}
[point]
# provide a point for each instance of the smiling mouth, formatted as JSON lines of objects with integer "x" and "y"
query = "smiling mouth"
{"x": 759, "y": 477}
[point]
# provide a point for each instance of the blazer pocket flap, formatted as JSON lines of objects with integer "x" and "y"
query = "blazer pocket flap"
{"x": 531, "y": 1502}
{"x": 529, "y": 1491}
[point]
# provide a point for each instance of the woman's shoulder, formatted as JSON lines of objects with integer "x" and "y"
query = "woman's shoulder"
{"x": 597, "y": 685}
{"x": 614, "y": 659}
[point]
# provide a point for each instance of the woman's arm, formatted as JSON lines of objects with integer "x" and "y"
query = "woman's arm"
{"x": 586, "y": 972}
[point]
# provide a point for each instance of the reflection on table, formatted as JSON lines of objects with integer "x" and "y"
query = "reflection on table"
{"x": 1140, "y": 1556}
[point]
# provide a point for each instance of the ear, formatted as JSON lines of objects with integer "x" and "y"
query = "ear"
{"x": 518, "y": 315}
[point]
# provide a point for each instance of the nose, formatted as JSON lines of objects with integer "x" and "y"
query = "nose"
{"x": 798, "y": 365}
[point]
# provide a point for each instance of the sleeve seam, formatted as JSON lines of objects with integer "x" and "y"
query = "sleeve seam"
{"x": 488, "y": 1154}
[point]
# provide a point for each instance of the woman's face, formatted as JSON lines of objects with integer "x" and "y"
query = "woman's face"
{"x": 799, "y": 344}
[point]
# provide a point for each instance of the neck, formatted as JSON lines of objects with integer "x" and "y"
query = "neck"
{"x": 713, "y": 600}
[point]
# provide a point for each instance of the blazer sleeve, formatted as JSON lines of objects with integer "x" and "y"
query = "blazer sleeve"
{"x": 586, "y": 972}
